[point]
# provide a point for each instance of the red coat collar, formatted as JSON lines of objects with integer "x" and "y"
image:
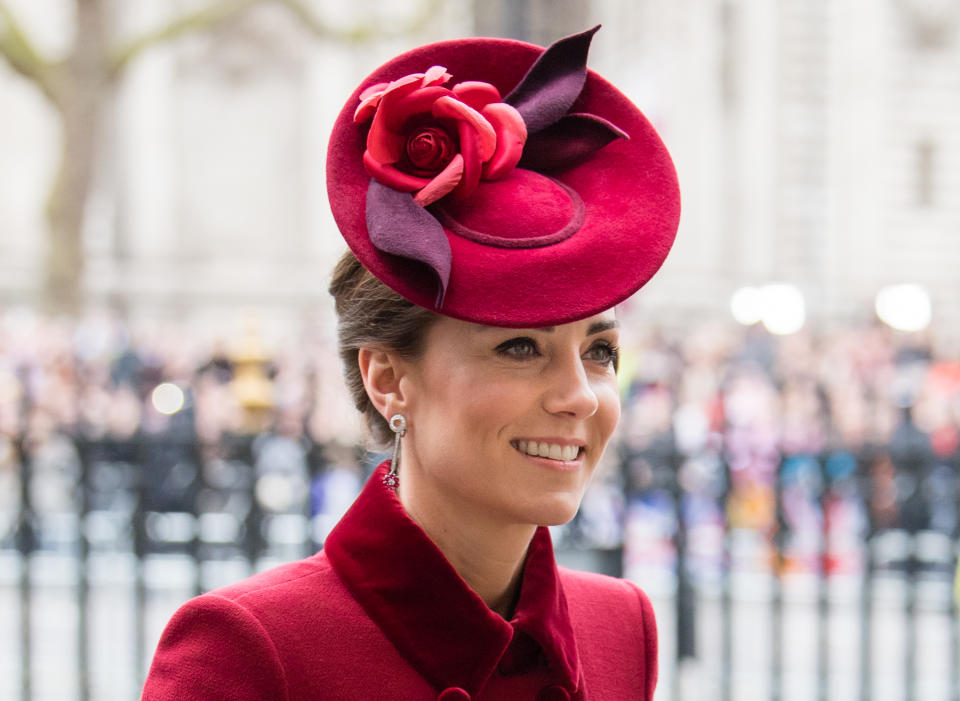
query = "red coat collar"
{"x": 440, "y": 625}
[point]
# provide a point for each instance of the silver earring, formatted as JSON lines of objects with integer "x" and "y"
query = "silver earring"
{"x": 398, "y": 424}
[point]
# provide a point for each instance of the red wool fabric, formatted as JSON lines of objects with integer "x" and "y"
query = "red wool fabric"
{"x": 629, "y": 188}
{"x": 381, "y": 614}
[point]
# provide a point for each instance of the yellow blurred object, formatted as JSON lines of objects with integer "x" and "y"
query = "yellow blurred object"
{"x": 956, "y": 586}
{"x": 753, "y": 506}
{"x": 251, "y": 385}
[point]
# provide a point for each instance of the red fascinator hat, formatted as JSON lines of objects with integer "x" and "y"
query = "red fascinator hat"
{"x": 498, "y": 182}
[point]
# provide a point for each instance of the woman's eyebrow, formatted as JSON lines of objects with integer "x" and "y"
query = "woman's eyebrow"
{"x": 601, "y": 326}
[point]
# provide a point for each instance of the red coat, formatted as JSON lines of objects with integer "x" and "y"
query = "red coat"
{"x": 381, "y": 614}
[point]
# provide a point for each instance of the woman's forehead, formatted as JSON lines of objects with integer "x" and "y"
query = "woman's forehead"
{"x": 597, "y": 323}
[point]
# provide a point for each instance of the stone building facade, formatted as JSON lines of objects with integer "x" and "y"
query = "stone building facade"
{"x": 816, "y": 142}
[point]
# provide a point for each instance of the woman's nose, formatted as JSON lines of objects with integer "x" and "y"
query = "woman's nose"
{"x": 569, "y": 390}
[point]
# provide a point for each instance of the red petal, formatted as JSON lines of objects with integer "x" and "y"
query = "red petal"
{"x": 472, "y": 164}
{"x": 407, "y": 80}
{"x": 511, "y": 136}
{"x": 372, "y": 90}
{"x": 442, "y": 183}
{"x": 417, "y": 102}
{"x": 391, "y": 177}
{"x": 435, "y": 75}
{"x": 452, "y": 108}
{"x": 366, "y": 109}
{"x": 477, "y": 94}
{"x": 383, "y": 143}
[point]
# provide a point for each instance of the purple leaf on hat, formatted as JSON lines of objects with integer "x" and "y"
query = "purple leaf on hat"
{"x": 568, "y": 141}
{"x": 553, "y": 82}
{"x": 400, "y": 226}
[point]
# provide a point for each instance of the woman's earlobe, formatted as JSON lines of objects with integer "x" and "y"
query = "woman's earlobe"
{"x": 381, "y": 375}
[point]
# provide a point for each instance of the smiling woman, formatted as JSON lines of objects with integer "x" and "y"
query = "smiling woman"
{"x": 554, "y": 391}
{"x": 496, "y": 214}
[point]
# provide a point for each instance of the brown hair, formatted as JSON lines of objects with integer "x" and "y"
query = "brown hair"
{"x": 371, "y": 315}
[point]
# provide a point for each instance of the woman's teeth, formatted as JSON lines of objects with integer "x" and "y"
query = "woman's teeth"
{"x": 552, "y": 451}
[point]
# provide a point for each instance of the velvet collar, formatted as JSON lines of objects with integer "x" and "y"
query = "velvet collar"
{"x": 440, "y": 625}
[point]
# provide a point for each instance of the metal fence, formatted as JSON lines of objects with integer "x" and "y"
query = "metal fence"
{"x": 827, "y": 576}
{"x": 839, "y": 586}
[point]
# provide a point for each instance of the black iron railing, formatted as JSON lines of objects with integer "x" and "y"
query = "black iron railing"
{"x": 876, "y": 518}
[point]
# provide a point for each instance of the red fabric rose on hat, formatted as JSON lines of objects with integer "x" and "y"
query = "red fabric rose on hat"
{"x": 426, "y": 141}
{"x": 432, "y": 141}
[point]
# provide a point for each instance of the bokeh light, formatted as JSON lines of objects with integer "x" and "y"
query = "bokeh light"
{"x": 780, "y": 306}
{"x": 904, "y": 307}
{"x": 784, "y": 311}
{"x": 167, "y": 398}
{"x": 746, "y": 305}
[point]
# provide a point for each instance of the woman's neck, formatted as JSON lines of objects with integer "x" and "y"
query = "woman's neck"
{"x": 486, "y": 553}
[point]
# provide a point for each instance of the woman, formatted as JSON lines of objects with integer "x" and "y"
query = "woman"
{"x": 490, "y": 238}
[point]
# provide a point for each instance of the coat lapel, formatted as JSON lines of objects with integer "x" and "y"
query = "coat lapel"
{"x": 440, "y": 625}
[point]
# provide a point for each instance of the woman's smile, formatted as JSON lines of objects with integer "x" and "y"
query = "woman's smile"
{"x": 566, "y": 453}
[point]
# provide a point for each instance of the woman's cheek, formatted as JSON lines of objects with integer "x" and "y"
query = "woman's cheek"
{"x": 609, "y": 406}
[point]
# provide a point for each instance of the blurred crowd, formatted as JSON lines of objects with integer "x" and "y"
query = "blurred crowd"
{"x": 811, "y": 442}
{"x": 805, "y": 445}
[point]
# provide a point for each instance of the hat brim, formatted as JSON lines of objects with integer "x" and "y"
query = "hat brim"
{"x": 629, "y": 189}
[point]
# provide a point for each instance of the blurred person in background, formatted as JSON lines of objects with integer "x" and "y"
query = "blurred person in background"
{"x": 478, "y": 334}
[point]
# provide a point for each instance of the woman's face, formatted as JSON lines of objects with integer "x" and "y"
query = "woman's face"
{"x": 510, "y": 423}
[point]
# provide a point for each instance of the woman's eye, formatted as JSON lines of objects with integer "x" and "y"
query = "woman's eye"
{"x": 518, "y": 348}
{"x": 604, "y": 353}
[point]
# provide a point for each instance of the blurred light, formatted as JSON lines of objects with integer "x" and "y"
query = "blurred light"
{"x": 747, "y": 305}
{"x": 784, "y": 311}
{"x": 167, "y": 398}
{"x": 779, "y": 306}
{"x": 904, "y": 307}
{"x": 275, "y": 492}
{"x": 285, "y": 529}
{"x": 170, "y": 527}
{"x": 219, "y": 527}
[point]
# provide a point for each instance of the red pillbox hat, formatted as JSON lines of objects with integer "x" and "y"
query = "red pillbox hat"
{"x": 501, "y": 183}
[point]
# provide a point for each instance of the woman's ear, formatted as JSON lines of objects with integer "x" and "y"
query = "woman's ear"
{"x": 381, "y": 372}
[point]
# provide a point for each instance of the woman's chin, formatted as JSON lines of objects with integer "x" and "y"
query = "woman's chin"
{"x": 556, "y": 522}
{"x": 556, "y": 512}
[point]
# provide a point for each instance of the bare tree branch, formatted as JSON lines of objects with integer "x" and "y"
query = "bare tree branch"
{"x": 199, "y": 20}
{"x": 365, "y": 31}
{"x": 213, "y": 15}
{"x": 19, "y": 52}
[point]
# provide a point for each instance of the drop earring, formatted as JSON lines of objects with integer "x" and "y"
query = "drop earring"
{"x": 398, "y": 424}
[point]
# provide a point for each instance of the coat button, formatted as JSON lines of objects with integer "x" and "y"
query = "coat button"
{"x": 553, "y": 693}
{"x": 454, "y": 693}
